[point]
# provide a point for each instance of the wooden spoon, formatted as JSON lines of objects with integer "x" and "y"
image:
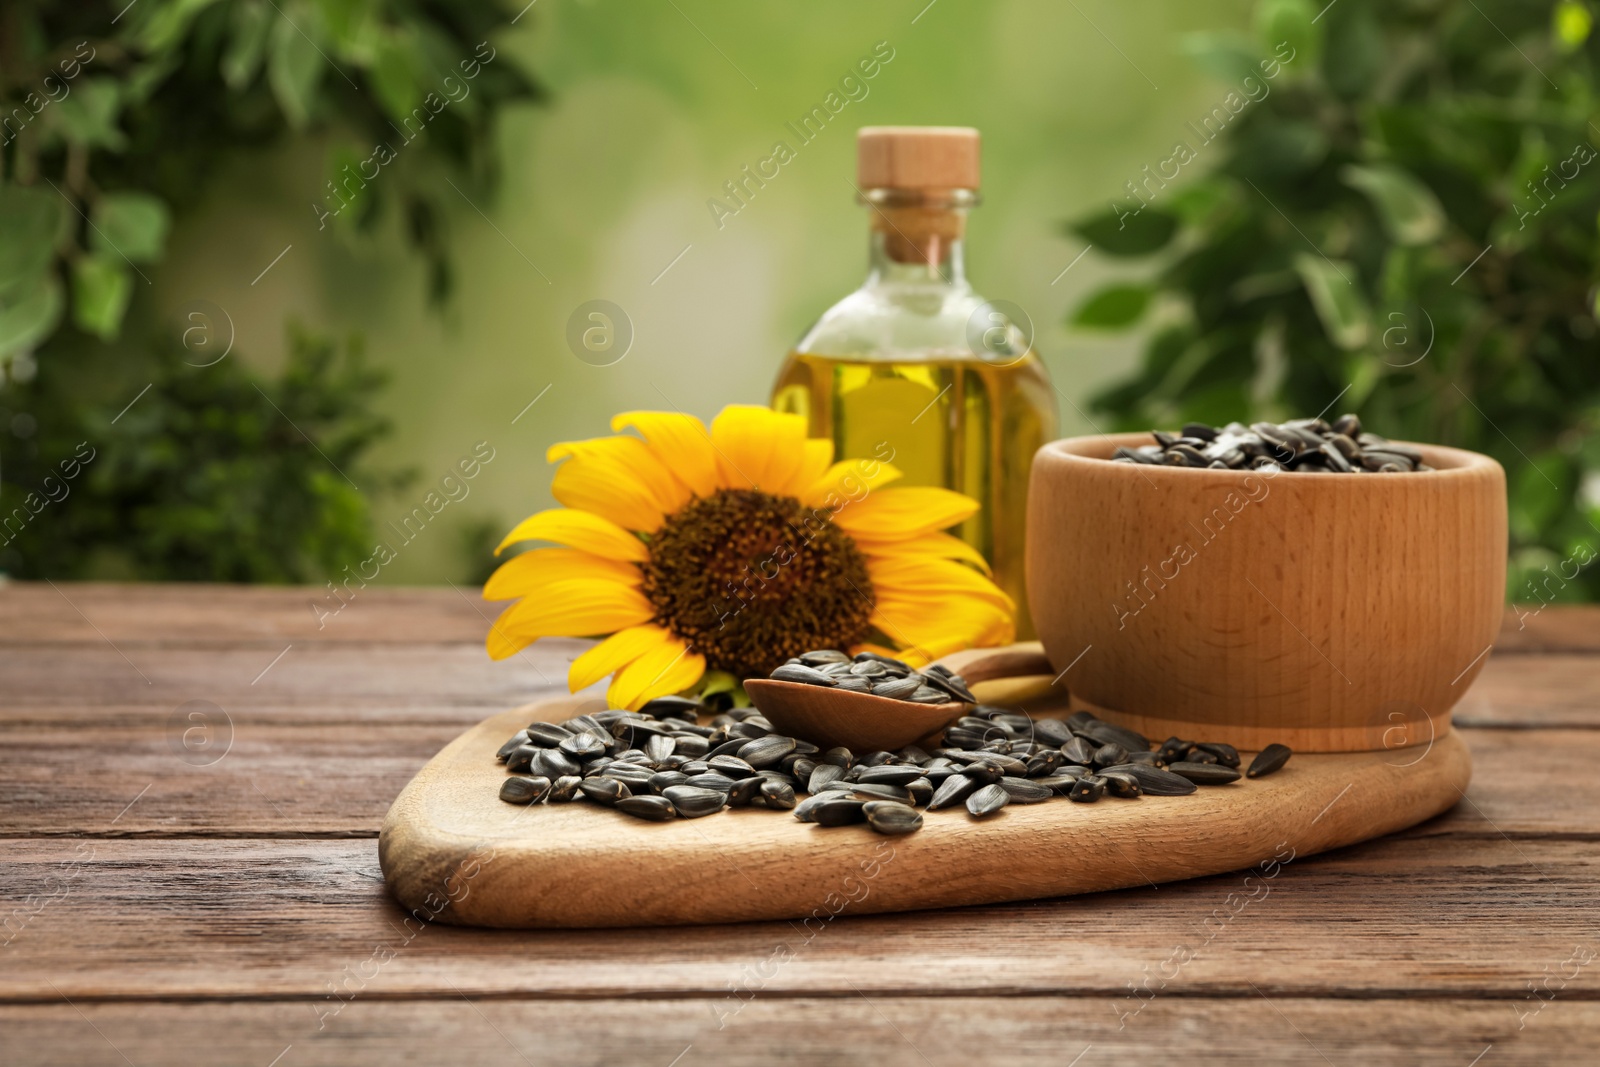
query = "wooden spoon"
{"x": 862, "y": 722}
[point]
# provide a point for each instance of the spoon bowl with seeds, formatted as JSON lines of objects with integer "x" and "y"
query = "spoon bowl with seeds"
{"x": 872, "y": 702}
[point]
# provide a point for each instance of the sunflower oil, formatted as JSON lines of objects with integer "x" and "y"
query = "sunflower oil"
{"x": 916, "y": 364}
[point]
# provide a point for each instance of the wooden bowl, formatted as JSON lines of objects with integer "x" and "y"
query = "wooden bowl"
{"x": 1329, "y": 612}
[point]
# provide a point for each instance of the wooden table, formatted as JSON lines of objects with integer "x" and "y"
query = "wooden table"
{"x": 193, "y": 779}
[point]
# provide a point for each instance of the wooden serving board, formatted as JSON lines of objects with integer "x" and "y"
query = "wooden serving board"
{"x": 452, "y": 851}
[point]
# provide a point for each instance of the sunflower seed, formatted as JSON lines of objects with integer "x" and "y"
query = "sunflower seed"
{"x": 1088, "y": 789}
{"x": 987, "y": 800}
{"x": 1205, "y": 773}
{"x": 518, "y": 739}
{"x": 1300, "y": 444}
{"x": 1078, "y": 750}
{"x": 744, "y": 791}
{"x": 1051, "y": 732}
{"x": 823, "y": 656}
{"x": 694, "y": 803}
{"x": 673, "y": 707}
{"x": 1110, "y": 754}
{"x": 952, "y": 791}
{"x": 635, "y": 777}
{"x": 928, "y": 695}
{"x": 887, "y": 817}
{"x": 794, "y": 672}
{"x": 520, "y": 757}
{"x": 779, "y": 796}
{"x": 662, "y": 780}
{"x": 524, "y": 790}
{"x": 879, "y": 791}
{"x": 583, "y": 745}
{"x": 1024, "y": 790}
{"x": 606, "y": 791}
{"x": 1121, "y": 784}
{"x": 825, "y": 773}
{"x": 869, "y": 669}
{"x": 1226, "y": 755}
{"x": 892, "y": 774}
{"x": 1059, "y": 784}
{"x": 564, "y": 789}
{"x": 897, "y": 688}
{"x": 1269, "y": 759}
{"x": 921, "y": 791}
{"x": 852, "y": 684}
{"x": 691, "y": 745}
{"x": 711, "y": 780}
{"x": 553, "y": 763}
{"x": 768, "y": 751}
{"x": 655, "y": 809}
{"x": 547, "y": 734}
{"x": 1157, "y": 782}
{"x": 837, "y": 811}
{"x": 732, "y": 766}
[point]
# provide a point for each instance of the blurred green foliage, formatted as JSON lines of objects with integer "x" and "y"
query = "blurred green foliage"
{"x": 207, "y": 475}
{"x": 1401, "y": 221}
{"x": 113, "y": 116}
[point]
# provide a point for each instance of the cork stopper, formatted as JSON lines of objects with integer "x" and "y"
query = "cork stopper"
{"x": 917, "y": 158}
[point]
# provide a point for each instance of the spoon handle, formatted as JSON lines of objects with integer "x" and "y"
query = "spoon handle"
{"x": 986, "y": 664}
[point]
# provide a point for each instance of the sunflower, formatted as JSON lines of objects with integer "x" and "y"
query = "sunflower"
{"x": 734, "y": 549}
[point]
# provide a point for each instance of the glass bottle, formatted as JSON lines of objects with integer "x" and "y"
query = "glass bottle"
{"x": 918, "y": 361}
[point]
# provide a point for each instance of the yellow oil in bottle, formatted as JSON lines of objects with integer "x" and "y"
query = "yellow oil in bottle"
{"x": 969, "y": 425}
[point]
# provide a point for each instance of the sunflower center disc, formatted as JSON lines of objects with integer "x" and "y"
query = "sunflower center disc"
{"x": 752, "y": 579}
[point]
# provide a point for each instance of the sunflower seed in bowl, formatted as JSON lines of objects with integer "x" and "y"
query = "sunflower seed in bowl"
{"x": 869, "y": 672}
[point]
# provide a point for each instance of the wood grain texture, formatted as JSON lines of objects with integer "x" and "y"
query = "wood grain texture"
{"x": 756, "y": 1029}
{"x": 202, "y": 925}
{"x": 452, "y": 848}
{"x": 1401, "y": 917}
{"x": 1256, "y": 606}
{"x": 328, "y": 770}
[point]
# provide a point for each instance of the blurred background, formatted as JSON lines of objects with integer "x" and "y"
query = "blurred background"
{"x": 270, "y": 269}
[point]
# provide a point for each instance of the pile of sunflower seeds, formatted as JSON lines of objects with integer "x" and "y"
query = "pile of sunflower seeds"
{"x": 661, "y": 763}
{"x": 882, "y": 676}
{"x": 1338, "y": 447}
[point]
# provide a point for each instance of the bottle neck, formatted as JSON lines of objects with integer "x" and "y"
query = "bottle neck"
{"x": 916, "y": 242}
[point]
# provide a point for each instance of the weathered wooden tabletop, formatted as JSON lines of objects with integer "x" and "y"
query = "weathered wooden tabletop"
{"x": 192, "y": 780}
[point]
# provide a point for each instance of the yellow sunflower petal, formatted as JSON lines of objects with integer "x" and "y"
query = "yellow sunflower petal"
{"x": 575, "y": 608}
{"x": 927, "y": 624}
{"x": 578, "y": 529}
{"x": 681, "y": 442}
{"x": 927, "y": 578}
{"x": 895, "y": 514}
{"x": 619, "y": 478}
{"x": 848, "y": 480}
{"x": 530, "y": 571}
{"x": 667, "y": 668}
{"x": 937, "y": 545}
{"x": 815, "y": 456}
{"x": 613, "y": 654}
{"x": 758, "y": 447}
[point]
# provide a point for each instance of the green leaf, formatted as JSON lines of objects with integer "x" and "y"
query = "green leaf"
{"x": 130, "y": 224}
{"x": 31, "y": 317}
{"x": 247, "y": 43}
{"x": 1410, "y": 212}
{"x": 1570, "y": 24}
{"x": 1352, "y": 56}
{"x": 1338, "y": 303}
{"x": 89, "y": 115}
{"x": 1113, "y": 307}
{"x": 1225, "y": 56}
{"x": 101, "y": 286}
{"x": 396, "y": 74}
{"x": 29, "y": 218}
{"x": 1128, "y": 232}
{"x": 1292, "y": 23}
{"x": 294, "y": 70}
